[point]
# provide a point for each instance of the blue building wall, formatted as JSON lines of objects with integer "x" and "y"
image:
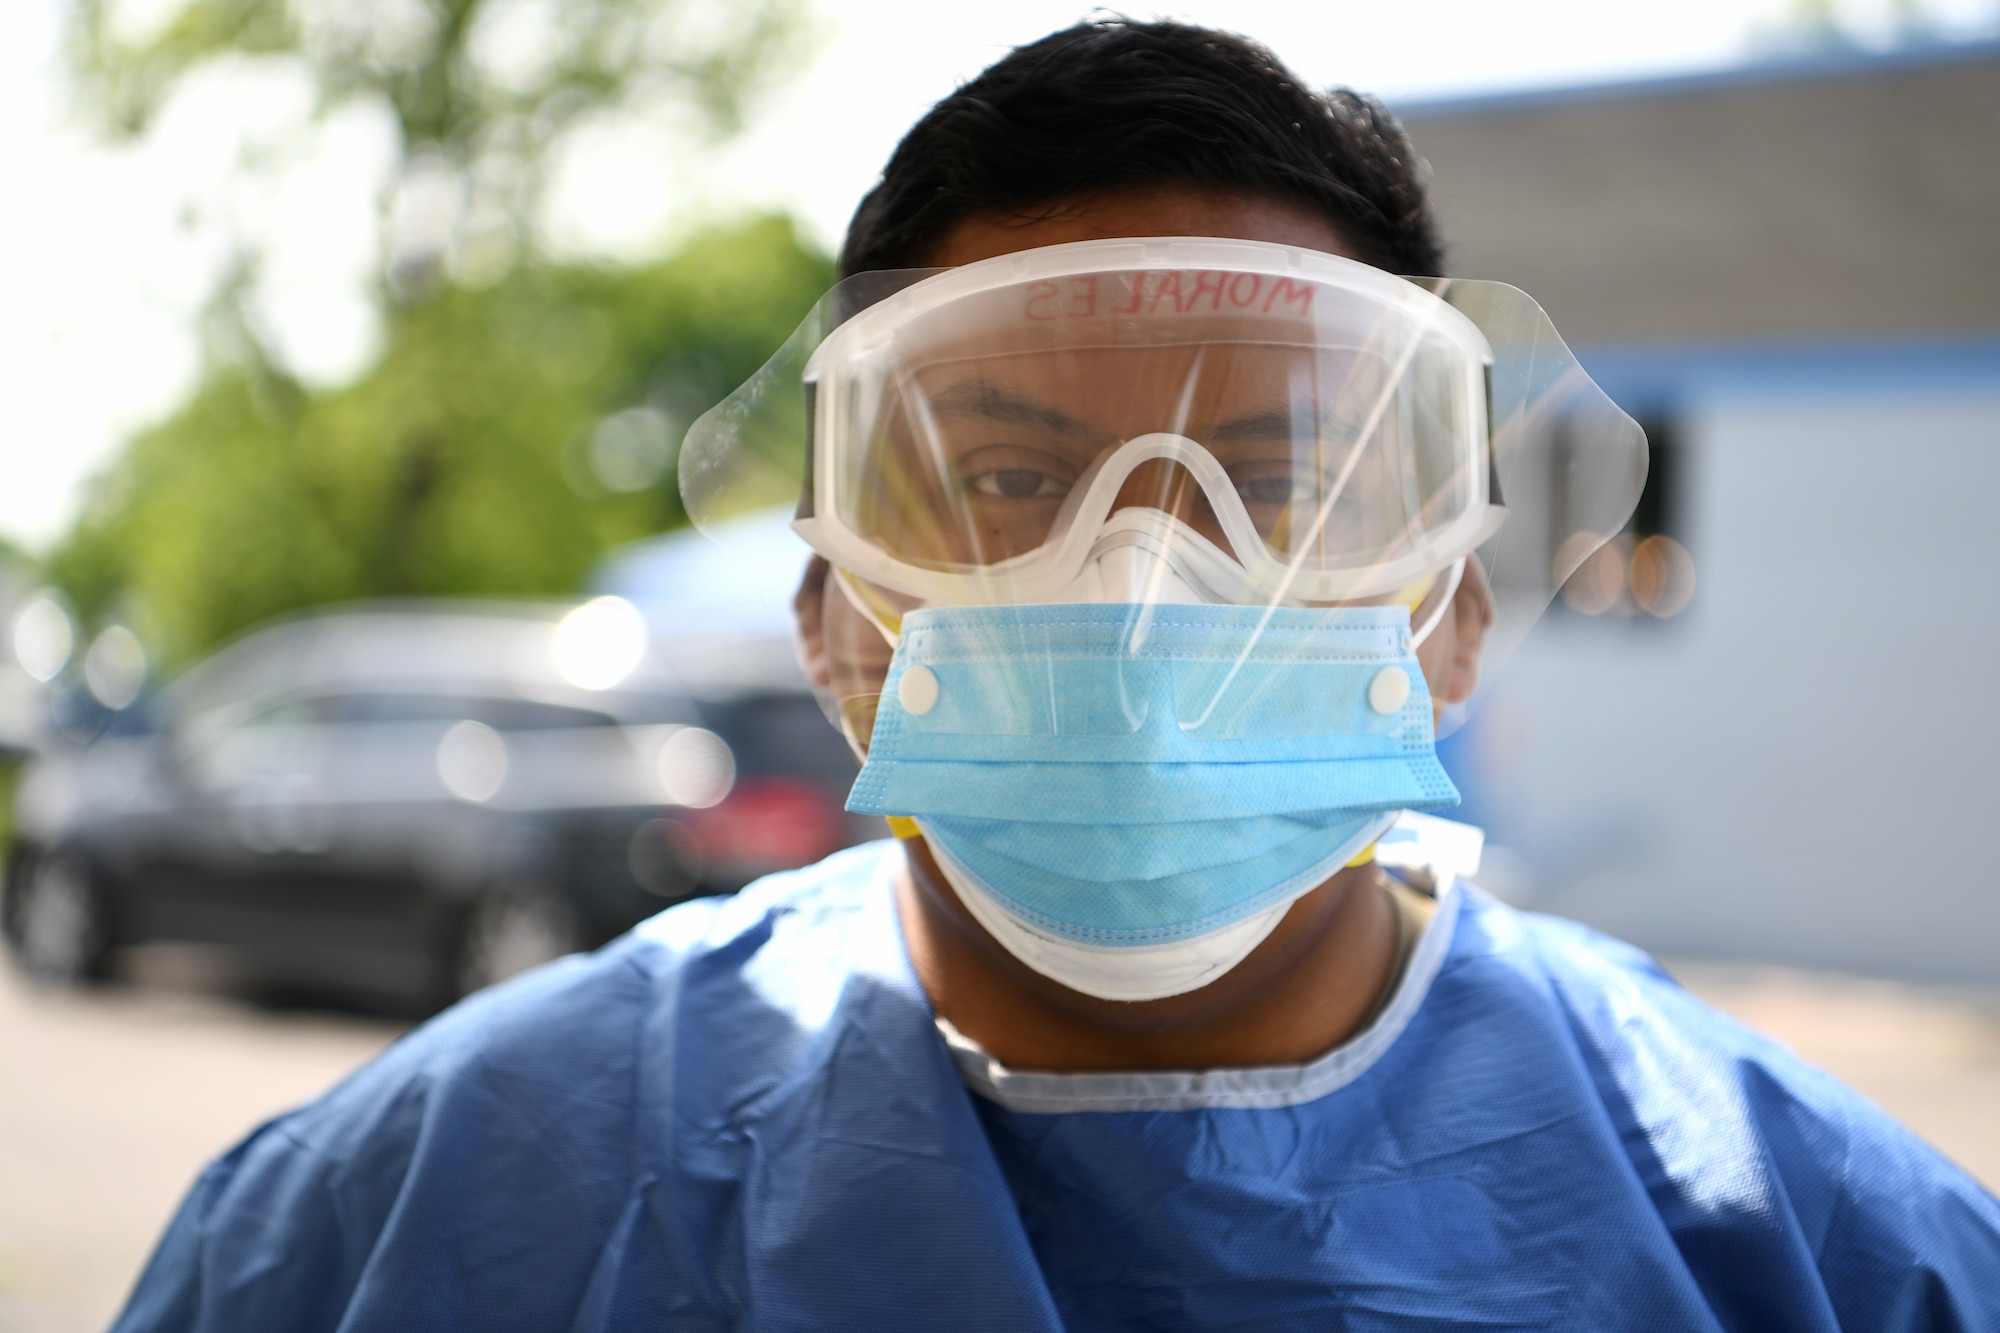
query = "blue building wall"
{"x": 1800, "y": 765}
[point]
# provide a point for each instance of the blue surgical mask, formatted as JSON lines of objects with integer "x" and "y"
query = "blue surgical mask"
{"x": 1130, "y": 796}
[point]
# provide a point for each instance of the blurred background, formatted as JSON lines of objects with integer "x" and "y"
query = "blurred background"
{"x": 354, "y": 653}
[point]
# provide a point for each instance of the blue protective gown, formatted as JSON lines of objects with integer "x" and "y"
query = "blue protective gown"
{"x": 742, "y": 1115}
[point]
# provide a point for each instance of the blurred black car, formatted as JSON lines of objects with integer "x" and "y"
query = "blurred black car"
{"x": 416, "y": 801}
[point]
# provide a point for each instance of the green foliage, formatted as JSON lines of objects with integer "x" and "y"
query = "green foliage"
{"x": 516, "y": 426}
{"x": 12, "y": 557}
{"x": 482, "y": 93}
{"x": 10, "y": 781}
{"x": 462, "y": 465}
{"x": 458, "y": 73}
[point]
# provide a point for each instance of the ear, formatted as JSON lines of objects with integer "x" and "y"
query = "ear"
{"x": 1471, "y": 616}
{"x": 844, "y": 655}
{"x": 809, "y": 610}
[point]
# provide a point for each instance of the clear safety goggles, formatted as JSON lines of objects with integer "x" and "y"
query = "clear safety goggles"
{"x": 1274, "y": 426}
{"x": 1321, "y": 425}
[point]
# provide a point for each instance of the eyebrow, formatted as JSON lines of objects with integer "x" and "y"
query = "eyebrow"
{"x": 1272, "y": 423}
{"x": 977, "y": 398}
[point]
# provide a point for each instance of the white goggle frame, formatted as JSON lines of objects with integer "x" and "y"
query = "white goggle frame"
{"x": 1256, "y": 573}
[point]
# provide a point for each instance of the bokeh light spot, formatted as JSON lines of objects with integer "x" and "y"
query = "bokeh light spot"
{"x": 114, "y": 669}
{"x": 1662, "y": 576}
{"x": 1598, "y": 581}
{"x": 43, "y": 638}
{"x": 472, "y": 761}
{"x": 600, "y": 643}
{"x": 696, "y": 768}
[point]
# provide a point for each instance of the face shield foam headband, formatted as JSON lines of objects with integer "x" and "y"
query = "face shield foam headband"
{"x": 1146, "y": 522}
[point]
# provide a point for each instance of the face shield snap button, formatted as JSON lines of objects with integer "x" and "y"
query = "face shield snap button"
{"x": 917, "y": 691}
{"x": 1387, "y": 693}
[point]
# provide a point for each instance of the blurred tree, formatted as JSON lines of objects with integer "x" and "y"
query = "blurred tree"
{"x": 482, "y": 91}
{"x": 1816, "y": 23}
{"x": 1822, "y": 27}
{"x": 524, "y": 412}
{"x": 509, "y": 436}
{"x": 10, "y": 781}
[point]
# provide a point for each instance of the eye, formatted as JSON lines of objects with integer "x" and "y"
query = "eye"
{"x": 1272, "y": 490}
{"x": 1264, "y": 484}
{"x": 1019, "y": 483}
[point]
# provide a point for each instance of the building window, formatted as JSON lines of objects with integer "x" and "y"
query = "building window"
{"x": 1645, "y": 571}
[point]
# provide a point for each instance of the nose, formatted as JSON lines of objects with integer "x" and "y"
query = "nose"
{"x": 1162, "y": 484}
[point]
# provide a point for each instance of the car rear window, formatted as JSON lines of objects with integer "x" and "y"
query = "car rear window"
{"x": 500, "y": 714}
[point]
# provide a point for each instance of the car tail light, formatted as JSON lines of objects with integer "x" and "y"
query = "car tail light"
{"x": 768, "y": 823}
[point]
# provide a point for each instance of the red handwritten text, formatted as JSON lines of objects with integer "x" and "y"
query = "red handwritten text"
{"x": 1169, "y": 291}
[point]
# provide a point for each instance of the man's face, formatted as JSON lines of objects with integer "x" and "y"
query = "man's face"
{"x": 1016, "y": 478}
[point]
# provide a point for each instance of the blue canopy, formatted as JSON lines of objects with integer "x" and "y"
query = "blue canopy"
{"x": 740, "y": 580}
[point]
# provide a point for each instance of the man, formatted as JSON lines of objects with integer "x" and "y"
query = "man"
{"x": 1158, "y": 527}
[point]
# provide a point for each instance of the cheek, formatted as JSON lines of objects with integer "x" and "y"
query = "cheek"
{"x": 1437, "y": 656}
{"x": 857, "y": 662}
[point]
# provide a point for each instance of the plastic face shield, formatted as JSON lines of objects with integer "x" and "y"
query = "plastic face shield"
{"x": 1172, "y": 421}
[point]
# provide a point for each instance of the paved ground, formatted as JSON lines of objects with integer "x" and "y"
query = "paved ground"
{"x": 111, "y": 1102}
{"x": 1931, "y": 1058}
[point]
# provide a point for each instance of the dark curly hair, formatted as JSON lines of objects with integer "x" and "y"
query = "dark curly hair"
{"x": 1112, "y": 104}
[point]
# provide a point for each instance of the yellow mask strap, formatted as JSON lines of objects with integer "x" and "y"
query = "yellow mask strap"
{"x": 874, "y": 608}
{"x": 1413, "y": 596}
